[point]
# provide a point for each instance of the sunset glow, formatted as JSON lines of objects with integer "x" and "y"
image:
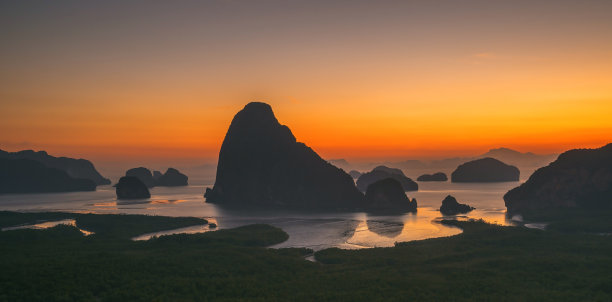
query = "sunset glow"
{"x": 400, "y": 80}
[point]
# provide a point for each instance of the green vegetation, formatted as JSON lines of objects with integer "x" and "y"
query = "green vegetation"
{"x": 104, "y": 225}
{"x": 574, "y": 220}
{"x": 485, "y": 262}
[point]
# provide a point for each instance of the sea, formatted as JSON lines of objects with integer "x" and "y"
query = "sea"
{"x": 314, "y": 230}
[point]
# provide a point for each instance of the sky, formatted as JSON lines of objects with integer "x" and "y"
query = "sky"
{"x": 360, "y": 80}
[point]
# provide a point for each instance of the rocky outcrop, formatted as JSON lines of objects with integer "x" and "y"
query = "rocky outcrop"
{"x": 75, "y": 168}
{"x": 387, "y": 194}
{"x": 355, "y": 174}
{"x": 485, "y": 170}
{"x": 433, "y": 177}
{"x": 143, "y": 174}
{"x": 30, "y": 176}
{"x": 382, "y": 172}
{"x": 580, "y": 178}
{"x": 130, "y": 187}
{"x": 450, "y": 206}
{"x": 262, "y": 164}
{"x": 172, "y": 178}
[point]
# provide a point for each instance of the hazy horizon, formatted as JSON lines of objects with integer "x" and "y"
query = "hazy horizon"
{"x": 161, "y": 82}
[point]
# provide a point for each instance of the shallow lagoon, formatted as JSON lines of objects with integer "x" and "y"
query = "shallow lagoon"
{"x": 314, "y": 230}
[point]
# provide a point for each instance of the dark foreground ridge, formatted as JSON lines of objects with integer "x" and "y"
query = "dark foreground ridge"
{"x": 261, "y": 163}
{"x": 485, "y": 170}
{"x": 76, "y": 168}
{"x": 29, "y": 176}
{"x": 580, "y": 178}
{"x": 484, "y": 263}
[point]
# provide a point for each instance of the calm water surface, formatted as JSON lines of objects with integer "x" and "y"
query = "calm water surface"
{"x": 312, "y": 230}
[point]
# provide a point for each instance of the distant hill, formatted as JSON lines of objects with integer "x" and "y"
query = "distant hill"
{"x": 30, "y": 176}
{"x": 340, "y": 163}
{"x": 76, "y": 168}
{"x": 517, "y": 158}
{"x": 526, "y": 161}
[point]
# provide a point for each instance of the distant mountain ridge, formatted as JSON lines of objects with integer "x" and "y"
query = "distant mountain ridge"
{"x": 506, "y": 155}
{"x": 76, "y": 168}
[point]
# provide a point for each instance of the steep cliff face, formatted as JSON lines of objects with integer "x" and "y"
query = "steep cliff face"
{"x": 485, "y": 170}
{"x": 261, "y": 163}
{"x": 578, "y": 178}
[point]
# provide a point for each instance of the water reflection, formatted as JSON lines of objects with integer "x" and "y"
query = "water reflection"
{"x": 389, "y": 229}
{"x": 186, "y": 230}
{"x": 306, "y": 229}
{"x": 46, "y": 225}
{"x": 385, "y": 231}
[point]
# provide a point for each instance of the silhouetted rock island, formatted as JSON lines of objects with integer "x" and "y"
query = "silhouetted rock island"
{"x": 30, "y": 176}
{"x": 387, "y": 194}
{"x": 262, "y": 164}
{"x": 382, "y": 172}
{"x": 485, "y": 170}
{"x": 172, "y": 178}
{"x": 580, "y": 178}
{"x": 143, "y": 174}
{"x": 130, "y": 187}
{"x": 433, "y": 177}
{"x": 76, "y": 168}
{"x": 450, "y": 206}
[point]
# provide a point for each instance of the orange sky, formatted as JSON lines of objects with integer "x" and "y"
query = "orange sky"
{"x": 357, "y": 81}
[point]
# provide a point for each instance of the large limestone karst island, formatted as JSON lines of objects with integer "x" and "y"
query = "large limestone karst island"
{"x": 580, "y": 178}
{"x": 262, "y": 164}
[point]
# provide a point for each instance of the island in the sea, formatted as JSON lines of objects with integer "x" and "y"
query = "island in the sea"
{"x": 382, "y": 172}
{"x": 262, "y": 164}
{"x": 75, "y": 168}
{"x": 485, "y": 170}
{"x": 30, "y": 176}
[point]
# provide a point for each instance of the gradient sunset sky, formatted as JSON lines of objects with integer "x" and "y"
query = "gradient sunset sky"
{"x": 359, "y": 80}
